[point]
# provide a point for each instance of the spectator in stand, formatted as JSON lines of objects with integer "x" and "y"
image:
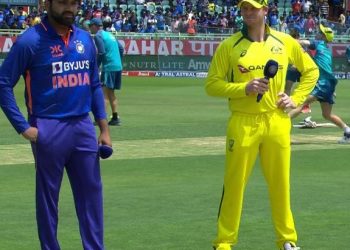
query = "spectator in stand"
{"x": 310, "y": 25}
{"x": 10, "y": 18}
{"x": 342, "y": 20}
{"x": 150, "y": 26}
{"x": 191, "y": 26}
{"x": 160, "y": 20}
{"x": 347, "y": 19}
{"x": 167, "y": 20}
{"x": 118, "y": 23}
{"x": 289, "y": 19}
{"x": 305, "y": 6}
{"x": 296, "y": 6}
{"x": 272, "y": 18}
{"x": 179, "y": 9}
{"x": 183, "y": 25}
{"x": 21, "y": 18}
{"x": 97, "y": 13}
{"x": 238, "y": 21}
{"x": 324, "y": 9}
{"x": 283, "y": 25}
{"x": 189, "y": 6}
{"x": 211, "y": 7}
{"x": 223, "y": 22}
{"x": 78, "y": 17}
{"x": 133, "y": 22}
{"x": 300, "y": 24}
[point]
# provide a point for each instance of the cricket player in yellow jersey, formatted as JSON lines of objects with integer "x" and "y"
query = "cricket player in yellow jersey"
{"x": 258, "y": 128}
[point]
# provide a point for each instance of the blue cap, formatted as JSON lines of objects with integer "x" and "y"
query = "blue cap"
{"x": 96, "y": 21}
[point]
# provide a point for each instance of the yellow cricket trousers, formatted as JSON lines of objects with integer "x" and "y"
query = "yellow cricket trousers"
{"x": 266, "y": 134}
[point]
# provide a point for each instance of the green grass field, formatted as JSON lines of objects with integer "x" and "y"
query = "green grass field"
{"x": 162, "y": 187}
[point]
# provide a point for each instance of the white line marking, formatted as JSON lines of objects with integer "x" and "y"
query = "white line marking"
{"x": 178, "y": 147}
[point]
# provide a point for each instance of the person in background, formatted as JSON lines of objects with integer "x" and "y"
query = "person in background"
{"x": 258, "y": 127}
{"x": 58, "y": 64}
{"x": 326, "y": 84}
{"x": 109, "y": 52}
{"x": 347, "y": 54}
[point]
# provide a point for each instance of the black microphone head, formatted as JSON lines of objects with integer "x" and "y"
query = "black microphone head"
{"x": 270, "y": 68}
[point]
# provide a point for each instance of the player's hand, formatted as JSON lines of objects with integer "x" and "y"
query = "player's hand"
{"x": 104, "y": 137}
{"x": 31, "y": 134}
{"x": 257, "y": 86}
{"x": 285, "y": 102}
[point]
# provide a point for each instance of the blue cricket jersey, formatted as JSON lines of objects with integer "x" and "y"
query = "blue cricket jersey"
{"x": 61, "y": 76}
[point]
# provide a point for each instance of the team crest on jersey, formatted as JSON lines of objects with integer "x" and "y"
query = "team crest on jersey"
{"x": 79, "y": 46}
{"x": 276, "y": 50}
{"x": 242, "y": 69}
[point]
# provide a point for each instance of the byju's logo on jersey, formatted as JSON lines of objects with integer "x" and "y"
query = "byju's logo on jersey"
{"x": 57, "y": 68}
{"x": 79, "y": 46}
{"x": 60, "y": 67}
{"x": 70, "y": 74}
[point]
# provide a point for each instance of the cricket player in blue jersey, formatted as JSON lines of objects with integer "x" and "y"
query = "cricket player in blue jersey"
{"x": 58, "y": 64}
{"x": 326, "y": 84}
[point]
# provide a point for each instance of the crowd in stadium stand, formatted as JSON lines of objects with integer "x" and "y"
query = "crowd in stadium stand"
{"x": 191, "y": 16}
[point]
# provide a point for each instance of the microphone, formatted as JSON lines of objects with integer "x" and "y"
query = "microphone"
{"x": 270, "y": 71}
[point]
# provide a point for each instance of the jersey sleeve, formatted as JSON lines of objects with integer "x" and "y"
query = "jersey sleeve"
{"x": 121, "y": 50}
{"x": 11, "y": 70}
{"x": 308, "y": 70}
{"x": 217, "y": 83}
{"x": 100, "y": 48}
{"x": 97, "y": 105}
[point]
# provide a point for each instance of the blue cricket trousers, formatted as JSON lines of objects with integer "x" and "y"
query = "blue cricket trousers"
{"x": 71, "y": 144}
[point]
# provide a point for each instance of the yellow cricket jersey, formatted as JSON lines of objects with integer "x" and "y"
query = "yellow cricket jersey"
{"x": 239, "y": 60}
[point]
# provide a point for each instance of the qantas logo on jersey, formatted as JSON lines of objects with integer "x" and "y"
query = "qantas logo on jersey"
{"x": 242, "y": 69}
{"x": 253, "y": 68}
{"x": 64, "y": 75}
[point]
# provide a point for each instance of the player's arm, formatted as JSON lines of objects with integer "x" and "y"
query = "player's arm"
{"x": 217, "y": 83}
{"x": 308, "y": 70}
{"x": 98, "y": 106}
{"x": 121, "y": 50}
{"x": 11, "y": 70}
{"x": 101, "y": 51}
{"x": 304, "y": 43}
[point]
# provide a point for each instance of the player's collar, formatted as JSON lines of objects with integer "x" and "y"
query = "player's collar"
{"x": 48, "y": 27}
{"x": 245, "y": 32}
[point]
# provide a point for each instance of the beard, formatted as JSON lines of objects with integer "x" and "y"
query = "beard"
{"x": 66, "y": 18}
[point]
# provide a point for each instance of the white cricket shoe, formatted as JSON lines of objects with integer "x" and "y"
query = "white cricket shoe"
{"x": 345, "y": 139}
{"x": 290, "y": 246}
{"x": 308, "y": 123}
